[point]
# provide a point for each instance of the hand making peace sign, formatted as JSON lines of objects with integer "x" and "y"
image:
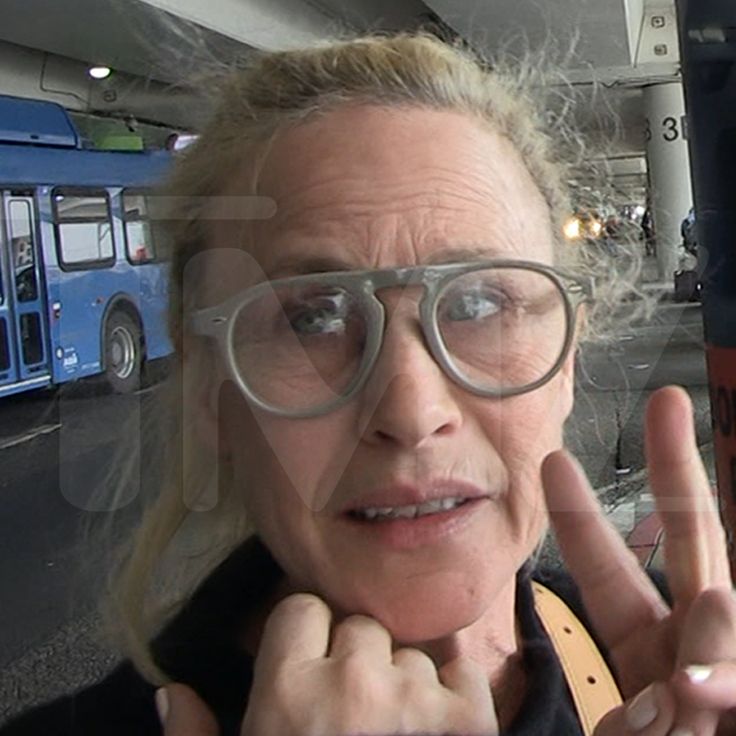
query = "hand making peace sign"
{"x": 676, "y": 666}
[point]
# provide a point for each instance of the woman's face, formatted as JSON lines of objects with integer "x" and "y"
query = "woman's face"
{"x": 379, "y": 188}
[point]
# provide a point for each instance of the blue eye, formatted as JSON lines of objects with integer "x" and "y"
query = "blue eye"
{"x": 474, "y": 306}
{"x": 320, "y": 316}
{"x": 316, "y": 322}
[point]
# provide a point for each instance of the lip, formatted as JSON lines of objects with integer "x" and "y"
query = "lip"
{"x": 407, "y": 494}
{"x": 402, "y": 535}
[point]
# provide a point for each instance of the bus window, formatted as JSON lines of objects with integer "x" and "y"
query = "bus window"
{"x": 4, "y": 347}
{"x": 84, "y": 231}
{"x": 22, "y": 249}
{"x": 31, "y": 338}
{"x": 139, "y": 243}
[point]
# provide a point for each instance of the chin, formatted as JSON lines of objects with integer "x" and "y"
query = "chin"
{"x": 430, "y": 611}
{"x": 432, "y": 627}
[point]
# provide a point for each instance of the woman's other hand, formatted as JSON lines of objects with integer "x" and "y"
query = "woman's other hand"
{"x": 690, "y": 649}
{"x": 312, "y": 679}
{"x": 697, "y": 698}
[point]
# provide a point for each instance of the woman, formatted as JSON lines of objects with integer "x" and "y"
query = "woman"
{"x": 398, "y": 474}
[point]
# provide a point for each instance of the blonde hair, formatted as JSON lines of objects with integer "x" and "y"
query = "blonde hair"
{"x": 274, "y": 91}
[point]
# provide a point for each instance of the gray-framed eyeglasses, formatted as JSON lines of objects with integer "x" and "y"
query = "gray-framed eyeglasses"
{"x": 304, "y": 345}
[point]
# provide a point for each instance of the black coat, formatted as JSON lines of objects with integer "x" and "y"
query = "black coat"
{"x": 199, "y": 649}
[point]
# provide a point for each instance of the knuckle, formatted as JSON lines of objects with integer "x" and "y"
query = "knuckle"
{"x": 354, "y": 673}
{"x": 420, "y": 697}
{"x": 300, "y": 604}
{"x": 718, "y": 601}
{"x": 362, "y": 696}
{"x": 359, "y": 622}
{"x": 357, "y": 634}
{"x": 409, "y": 656}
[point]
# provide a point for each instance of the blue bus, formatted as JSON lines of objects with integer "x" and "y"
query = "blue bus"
{"x": 83, "y": 285}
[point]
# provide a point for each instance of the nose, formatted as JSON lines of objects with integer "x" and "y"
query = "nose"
{"x": 407, "y": 400}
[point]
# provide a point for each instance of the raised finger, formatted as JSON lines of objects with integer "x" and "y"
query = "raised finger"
{"x": 298, "y": 629}
{"x": 617, "y": 593}
{"x": 361, "y": 635}
{"x": 694, "y": 542}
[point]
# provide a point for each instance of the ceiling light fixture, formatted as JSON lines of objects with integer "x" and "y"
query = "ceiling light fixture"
{"x": 99, "y": 72}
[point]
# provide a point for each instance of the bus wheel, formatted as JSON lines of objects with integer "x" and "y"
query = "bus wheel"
{"x": 123, "y": 353}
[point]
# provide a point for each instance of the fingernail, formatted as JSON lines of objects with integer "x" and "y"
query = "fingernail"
{"x": 162, "y": 704}
{"x": 682, "y": 732}
{"x": 643, "y": 710}
{"x": 698, "y": 673}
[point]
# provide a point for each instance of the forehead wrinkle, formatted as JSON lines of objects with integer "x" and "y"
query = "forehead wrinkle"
{"x": 415, "y": 208}
{"x": 364, "y": 233}
{"x": 365, "y": 191}
{"x": 396, "y": 249}
{"x": 333, "y": 182}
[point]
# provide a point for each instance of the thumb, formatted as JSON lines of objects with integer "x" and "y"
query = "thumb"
{"x": 650, "y": 713}
{"x": 183, "y": 713}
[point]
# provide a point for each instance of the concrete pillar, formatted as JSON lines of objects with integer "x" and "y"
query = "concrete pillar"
{"x": 668, "y": 162}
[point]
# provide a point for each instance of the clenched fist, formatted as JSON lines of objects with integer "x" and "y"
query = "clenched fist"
{"x": 314, "y": 680}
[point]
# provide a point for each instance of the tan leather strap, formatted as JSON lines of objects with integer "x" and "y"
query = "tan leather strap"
{"x": 591, "y": 683}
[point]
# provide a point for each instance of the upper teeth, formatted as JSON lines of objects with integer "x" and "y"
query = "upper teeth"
{"x": 410, "y": 512}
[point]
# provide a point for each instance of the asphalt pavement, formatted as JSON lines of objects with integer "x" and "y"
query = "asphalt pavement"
{"x": 615, "y": 380}
{"x": 58, "y": 454}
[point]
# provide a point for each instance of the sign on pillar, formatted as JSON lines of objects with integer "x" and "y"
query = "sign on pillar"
{"x": 668, "y": 164}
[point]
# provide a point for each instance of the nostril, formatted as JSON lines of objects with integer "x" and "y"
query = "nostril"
{"x": 446, "y": 428}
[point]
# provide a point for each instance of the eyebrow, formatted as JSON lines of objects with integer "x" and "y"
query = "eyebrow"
{"x": 297, "y": 265}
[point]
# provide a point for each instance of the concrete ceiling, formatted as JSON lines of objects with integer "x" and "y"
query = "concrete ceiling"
{"x": 612, "y": 41}
{"x": 136, "y": 37}
{"x": 123, "y": 34}
{"x": 598, "y": 29}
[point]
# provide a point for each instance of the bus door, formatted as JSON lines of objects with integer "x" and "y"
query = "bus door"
{"x": 23, "y": 330}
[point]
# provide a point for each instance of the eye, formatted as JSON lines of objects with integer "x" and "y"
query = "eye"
{"x": 460, "y": 306}
{"x": 326, "y": 314}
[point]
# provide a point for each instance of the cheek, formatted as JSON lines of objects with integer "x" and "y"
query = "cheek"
{"x": 524, "y": 430}
{"x": 529, "y": 426}
{"x": 284, "y": 461}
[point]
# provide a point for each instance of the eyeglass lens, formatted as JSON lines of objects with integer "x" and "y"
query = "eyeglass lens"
{"x": 299, "y": 346}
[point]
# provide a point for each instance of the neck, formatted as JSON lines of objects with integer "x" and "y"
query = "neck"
{"x": 493, "y": 641}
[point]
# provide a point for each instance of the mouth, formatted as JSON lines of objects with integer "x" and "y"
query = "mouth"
{"x": 405, "y": 500}
{"x": 412, "y": 511}
{"x": 405, "y": 516}
{"x": 418, "y": 525}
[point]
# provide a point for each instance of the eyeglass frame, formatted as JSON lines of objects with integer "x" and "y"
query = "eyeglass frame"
{"x": 218, "y": 321}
